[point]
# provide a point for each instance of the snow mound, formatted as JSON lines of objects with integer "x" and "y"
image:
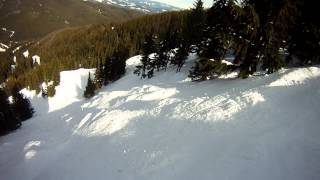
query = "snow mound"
{"x": 3, "y": 47}
{"x": 168, "y": 127}
{"x": 36, "y": 59}
{"x": 71, "y": 88}
{"x": 26, "y": 54}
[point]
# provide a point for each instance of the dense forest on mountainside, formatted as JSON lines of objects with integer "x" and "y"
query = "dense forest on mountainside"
{"x": 32, "y": 19}
{"x": 260, "y": 35}
{"x": 84, "y": 46}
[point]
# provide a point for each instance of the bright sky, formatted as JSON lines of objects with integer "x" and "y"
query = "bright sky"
{"x": 185, "y": 3}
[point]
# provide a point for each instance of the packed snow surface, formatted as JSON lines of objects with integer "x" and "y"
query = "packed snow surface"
{"x": 264, "y": 127}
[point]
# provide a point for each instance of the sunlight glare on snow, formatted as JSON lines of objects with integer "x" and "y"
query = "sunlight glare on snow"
{"x": 109, "y": 123}
{"x": 29, "y": 149}
{"x": 296, "y": 77}
{"x": 30, "y": 154}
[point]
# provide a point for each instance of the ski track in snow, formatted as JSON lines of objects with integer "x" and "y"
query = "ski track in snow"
{"x": 171, "y": 128}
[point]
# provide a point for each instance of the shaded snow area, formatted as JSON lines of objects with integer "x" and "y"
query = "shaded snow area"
{"x": 168, "y": 127}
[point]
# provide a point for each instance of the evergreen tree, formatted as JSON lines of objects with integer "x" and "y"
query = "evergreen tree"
{"x": 21, "y": 105}
{"x": 118, "y": 63}
{"x": 275, "y": 18}
{"x": 99, "y": 79}
{"x": 148, "y": 66}
{"x": 107, "y": 71}
{"x": 205, "y": 69}
{"x": 180, "y": 56}
{"x": 216, "y": 40}
{"x": 90, "y": 88}
{"x": 194, "y": 25}
{"x": 219, "y": 29}
{"x": 159, "y": 57}
{"x": 8, "y": 121}
{"x": 305, "y": 35}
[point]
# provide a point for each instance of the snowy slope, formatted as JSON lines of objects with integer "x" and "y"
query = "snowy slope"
{"x": 262, "y": 128}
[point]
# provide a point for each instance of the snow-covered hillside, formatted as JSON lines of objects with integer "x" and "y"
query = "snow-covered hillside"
{"x": 141, "y": 5}
{"x": 264, "y": 127}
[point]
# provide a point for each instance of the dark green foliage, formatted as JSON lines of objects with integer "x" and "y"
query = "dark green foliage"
{"x": 276, "y": 17}
{"x": 8, "y": 121}
{"x": 146, "y": 69}
{"x": 216, "y": 40}
{"x": 115, "y": 65}
{"x": 73, "y": 48}
{"x": 21, "y": 105}
{"x": 305, "y": 35}
{"x": 205, "y": 69}
{"x": 118, "y": 63}
{"x": 194, "y": 25}
{"x": 99, "y": 77}
{"x": 107, "y": 71}
{"x": 260, "y": 33}
{"x": 181, "y": 56}
{"x": 90, "y": 88}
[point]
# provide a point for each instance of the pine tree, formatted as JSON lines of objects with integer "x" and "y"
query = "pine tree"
{"x": 216, "y": 40}
{"x": 107, "y": 71}
{"x": 159, "y": 59}
{"x": 194, "y": 25}
{"x": 217, "y": 37}
{"x": 147, "y": 67}
{"x": 275, "y": 19}
{"x": 305, "y": 35}
{"x": 90, "y": 88}
{"x": 8, "y": 121}
{"x": 21, "y": 105}
{"x": 180, "y": 56}
{"x": 118, "y": 63}
{"x": 206, "y": 69}
{"x": 99, "y": 75}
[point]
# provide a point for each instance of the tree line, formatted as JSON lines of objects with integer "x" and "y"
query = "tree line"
{"x": 107, "y": 71}
{"x": 260, "y": 35}
{"x": 83, "y": 47}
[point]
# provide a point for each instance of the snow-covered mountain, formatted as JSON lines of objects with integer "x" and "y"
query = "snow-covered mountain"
{"x": 141, "y": 5}
{"x": 167, "y": 127}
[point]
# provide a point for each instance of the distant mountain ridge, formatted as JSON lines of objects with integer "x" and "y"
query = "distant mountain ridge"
{"x": 32, "y": 19}
{"x": 147, "y": 6}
